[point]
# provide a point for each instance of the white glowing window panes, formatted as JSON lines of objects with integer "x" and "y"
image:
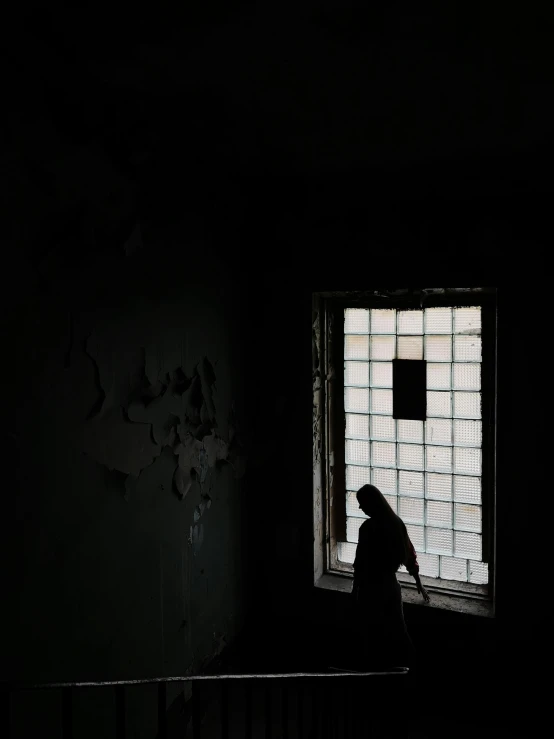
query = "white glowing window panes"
{"x": 353, "y": 507}
{"x": 385, "y": 480}
{"x": 439, "y": 376}
{"x": 383, "y": 454}
{"x": 410, "y": 456}
{"x": 466, "y": 376}
{"x": 478, "y": 573}
{"x": 438, "y": 487}
{"x": 417, "y": 536}
{"x": 428, "y": 565}
{"x": 439, "y": 404}
{"x": 467, "y": 461}
{"x": 383, "y": 348}
{"x": 452, "y": 568}
{"x": 356, "y": 373}
{"x": 467, "y": 405}
{"x": 410, "y": 510}
{"x": 356, "y": 400}
{"x": 381, "y": 374}
{"x": 357, "y": 426}
{"x": 467, "y": 348}
{"x": 467, "y": 320}
{"x": 438, "y": 320}
{"x": 356, "y": 321}
{"x": 352, "y": 529}
{"x": 438, "y": 541}
{"x": 383, "y": 428}
{"x": 438, "y": 513}
{"x": 392, "y": 500}
{"x": 357, "y": 452}
{"x": 356, "y": 347}
{"x": 410, "y": 431}
{"x": 356, "y": 477}
{"x": 467, "y": 489}
{"x": 381, "y": 402}
{"x": 438, "y": 458}
{"x": 467, "y": 433}
{"x": 346, "y": 552}
{"x": 409, "y": 347}
{"x": 438, "y": 348}
{"x": 467, "y": 545}
{"x": 383, "y": 321}
{"x": 438, "y": 431}
{"x": 467, "y": 517}
{"x": 410, "y": 322}
{"x": 410, "y": 483}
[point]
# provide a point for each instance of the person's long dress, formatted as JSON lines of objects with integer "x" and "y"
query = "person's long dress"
{"x": 383, "y": 640}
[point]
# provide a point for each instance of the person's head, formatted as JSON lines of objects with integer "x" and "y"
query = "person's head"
{"x": 372, "y": 502}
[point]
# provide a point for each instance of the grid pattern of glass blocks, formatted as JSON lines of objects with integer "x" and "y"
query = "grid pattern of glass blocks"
{"x": 429, "y": 471}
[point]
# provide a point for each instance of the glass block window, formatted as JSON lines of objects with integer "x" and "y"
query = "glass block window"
{"x": 429, "y": 471}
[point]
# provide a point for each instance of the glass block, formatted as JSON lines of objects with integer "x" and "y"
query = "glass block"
{"x": 439, "y": 376}
{"x": 438, "y": 487}
{"x": 439, "y": 404}
{"x": 410, "y": 483}
{"x": 467, "y": 545}
{"x": 467, "y": 433}
{"x": 356, "y": 347}
{"x": 352, "y": 529}
{"x": 466, "y": 376}
{"x": 356, "y": 400}
{"x": 467, "y": 489}
{"x": 467, "y": 348}
{"x": 410, "y": 510}
{"x": 410, "y": 431}
{"x": 438, "y": 458}
{"x": 438, "y": 513}
{"x": 402, "y": 568}
{"x": 467, "y": 517}
{"x": 409, "y": 347}
{"x": 381, "y": 401}
{"x": 383, "y": 321}
{"x": 357, "y": 452}
{"x": 385, "y": 480}
{"x": 453, "y": 568}
{"x": 383, "y": 454}
{"x": 356, "y": 321}
{"x": 416, "y": 534}
{"x": 383, "y": 348}
{"x": 438, "y": 431}
{"x": 438, "y": 320}
{"x": 357, "y": 426}
{"x": 346, "y": 552}
{"x": 428, "y": 565}
{"x": 356, "y": 477}
{"x": 356, "y": 373}
{"x": 467, "y": 320}
{"x": 383, "y": 428}
{"x": 353, "y": 507}
{"x": 381, "y": 374}
{"x": 467, "y": 405}
{"x": 438, "y": 541}
{"x": 467, "y": 461}
{"x": 410, "y": 322}
{"x": 410, "y": 456}
{"x": 438, "y": 348}
{"x": 392, "y": 500}
{"x": 478, "y": 572}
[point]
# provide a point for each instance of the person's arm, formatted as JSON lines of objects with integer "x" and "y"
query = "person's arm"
{"x": 412, "y": 566}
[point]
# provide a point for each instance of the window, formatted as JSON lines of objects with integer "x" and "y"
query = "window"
{"x": 407, "y": 404}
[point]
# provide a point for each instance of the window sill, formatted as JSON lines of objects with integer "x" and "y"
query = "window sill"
{"x": 459, "y": 603}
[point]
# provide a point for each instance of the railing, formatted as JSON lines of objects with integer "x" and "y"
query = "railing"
{"x": 328, "y": 705}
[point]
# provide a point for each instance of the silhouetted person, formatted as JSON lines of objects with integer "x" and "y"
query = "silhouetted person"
{"x": 383, "y": 546}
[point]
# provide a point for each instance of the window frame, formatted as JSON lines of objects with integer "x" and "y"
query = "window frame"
{"x": 329, "y": 417}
